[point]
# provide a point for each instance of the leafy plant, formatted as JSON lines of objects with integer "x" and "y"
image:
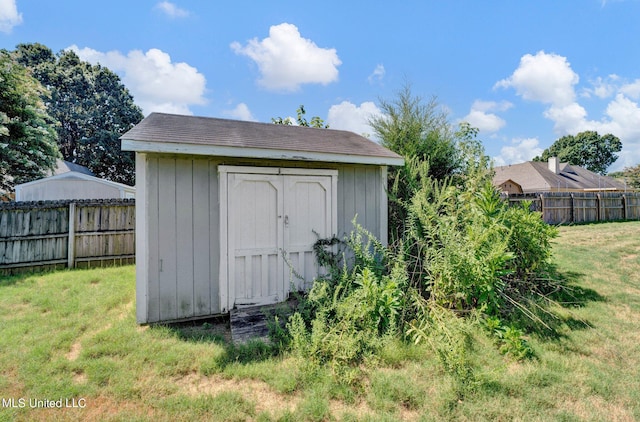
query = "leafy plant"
{"x": 510, "y": 340}
{"x": 449, "y": 337}
{"x": 350, "y": 310}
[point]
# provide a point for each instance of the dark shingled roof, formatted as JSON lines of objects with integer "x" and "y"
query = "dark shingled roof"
{"x": 63, "y": 166}
{"x": 535, "y": 176}
{"x": 179, "y": 129}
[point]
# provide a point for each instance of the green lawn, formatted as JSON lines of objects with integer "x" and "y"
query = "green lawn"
{"x": 72, "y": 335}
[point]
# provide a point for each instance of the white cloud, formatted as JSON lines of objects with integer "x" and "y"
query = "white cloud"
{"x": 603, "y": 87}
{"x": 377, "y": 75}
{"x": 624, "y": 115}
{"x": 567, "y": 119}
{"x": 547, "y": 78}
{"x": 481, "y": 116}
{"x": 156, "y": 83}
{"x": 241, "y": 112}
{"x": 286, "y": 60}
{"x": 348, "y": 116}
{"x": 171, "y": 10}
{"x": 620, "y": 119}
{"x": 519, "y": 151}
{"x": 9, "y": 16}
{"x": 632, "y": 90}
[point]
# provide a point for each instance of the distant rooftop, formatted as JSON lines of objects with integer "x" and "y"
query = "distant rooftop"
{"x": 63, "y": 166}
{"x": 536, "y": 176}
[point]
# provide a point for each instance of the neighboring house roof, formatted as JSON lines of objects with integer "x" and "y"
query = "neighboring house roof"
{"x": 500, "y": 182}
{"x": 535, "y": 176}
{"x": 63, "y": 166}
{"x": 160, "y": 132}
{"x": 25, "y": 190}
{"x": 74, "y": 175}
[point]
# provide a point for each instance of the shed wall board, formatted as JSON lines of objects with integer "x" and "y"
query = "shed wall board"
{"x": 167, "y": 239}
{"x": 201, "y": 294}
{"x": 153, "y": 236}
{"x": 179, "y": 201}
{"x": 185, "y": 235}
{"x": 142, "y": 238}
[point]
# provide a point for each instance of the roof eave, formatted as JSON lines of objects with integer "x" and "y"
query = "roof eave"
{"x": 263, "y": 153}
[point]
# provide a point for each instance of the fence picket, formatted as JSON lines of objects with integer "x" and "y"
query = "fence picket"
{"x": 582, "y": 207}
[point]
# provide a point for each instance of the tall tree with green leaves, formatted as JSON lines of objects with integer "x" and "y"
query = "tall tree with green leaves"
{"x": 420, "y": 131}
{"x": 28, "y": 148}
{"x": 414, "y": 127}
{"x": 586, "y": 149}
{"x": 93, "y": 109}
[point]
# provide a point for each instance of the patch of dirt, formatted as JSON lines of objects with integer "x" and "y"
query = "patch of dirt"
{"x": 258, "y": 392}
{"x": 126, "y": 309}
{"x": 95, "y": 409}
{"x": 595, "y": 407}
{"x": 362, "y": 411}
{"x": 76, "y": 347}
{"x": 80, "y": 378}
{"x": 16, "y": 310}
{"x": 74, "y": 353}
{"x": 11, "y": 387}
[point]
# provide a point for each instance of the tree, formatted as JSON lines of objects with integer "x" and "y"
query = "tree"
{"x": 586, "y": 149}
{"x": 630, "y": 176}
{"x": 28, "y": 148}
{"x": 422, "y": 134}
{"x": 316, "y": 121}
{"x": 93, "y": 109}
{"x": 411, "y": 127}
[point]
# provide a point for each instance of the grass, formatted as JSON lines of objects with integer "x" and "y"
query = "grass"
{"x": 73, "y": 335}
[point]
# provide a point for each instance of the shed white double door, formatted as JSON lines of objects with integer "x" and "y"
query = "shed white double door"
{"x": 273, "y": 216}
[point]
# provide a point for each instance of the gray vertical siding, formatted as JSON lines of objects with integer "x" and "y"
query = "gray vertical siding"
{"x": 167, "y": 239}
{"x": 201, "y": 294}
{"x": 185, "y": 234}
{"x": 214, "y": 237}
{"x": 182, "y": 239}
{"x": 180, "y": 278}
{"x": 360, "y": 193}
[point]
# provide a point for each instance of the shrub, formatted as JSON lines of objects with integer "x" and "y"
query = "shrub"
{"x": 463, "y": 254}
{"x": 349, "y": 312}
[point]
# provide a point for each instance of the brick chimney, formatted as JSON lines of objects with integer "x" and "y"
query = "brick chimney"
{"x": 554, "y": 165}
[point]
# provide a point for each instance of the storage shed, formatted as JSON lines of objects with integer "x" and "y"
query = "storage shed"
{"x": 227, "y": 211}
{"x": 72, "y": 185}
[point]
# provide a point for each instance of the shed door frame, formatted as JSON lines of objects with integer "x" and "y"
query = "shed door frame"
{"x": 227, "y": 293}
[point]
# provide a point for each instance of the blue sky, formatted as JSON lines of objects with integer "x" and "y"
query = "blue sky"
{"x": 523, "y": 72}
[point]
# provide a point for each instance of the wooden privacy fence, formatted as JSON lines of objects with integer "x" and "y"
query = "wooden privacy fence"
{"x": 73, "y": 234}
{"x": 582, "y": 207}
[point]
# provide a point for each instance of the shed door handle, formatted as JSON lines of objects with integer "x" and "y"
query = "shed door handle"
{"x": 286, "y": 220}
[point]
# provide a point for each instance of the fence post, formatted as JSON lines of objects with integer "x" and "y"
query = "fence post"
{"x": 624, "y": 206}
{"x": 542, "y": 207}
{"x": 71, "y": 246}
{"x": 572, "y": 216}
{"x": 599, "y": 207}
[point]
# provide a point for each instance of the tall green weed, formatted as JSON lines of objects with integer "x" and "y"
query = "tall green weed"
{"x": 463, "y": 255}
